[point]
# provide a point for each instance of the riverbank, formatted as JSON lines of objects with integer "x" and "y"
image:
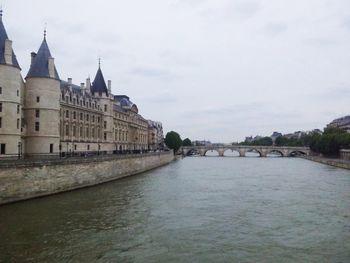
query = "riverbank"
{"x": 39, "y": 178}
{"x": 340, "y": 163}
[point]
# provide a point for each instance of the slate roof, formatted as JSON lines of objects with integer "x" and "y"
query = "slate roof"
{"x": 99, "y": 84}
{"x": 3, "y": 37}
{"x": 40, "y": 64}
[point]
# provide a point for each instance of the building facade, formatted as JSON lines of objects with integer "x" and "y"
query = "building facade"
{"x": 44, "y": 115}
{"x": 341, "y": 123}
{"x": 155, "y": 135}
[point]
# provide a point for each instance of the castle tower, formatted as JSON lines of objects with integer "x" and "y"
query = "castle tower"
{"x": 42, "y": 104}
{"x": 11, "y": 92}
{"x": 99, "y": 90}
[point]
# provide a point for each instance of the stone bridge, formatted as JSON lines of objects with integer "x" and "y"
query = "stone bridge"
{"x": 263, "y": 151}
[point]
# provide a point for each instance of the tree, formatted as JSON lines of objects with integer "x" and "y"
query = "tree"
{"x": 173, "y": 141}
{"x": 187, "y": 142}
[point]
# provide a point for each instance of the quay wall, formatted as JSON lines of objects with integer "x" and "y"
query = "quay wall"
{"x": 20, "y": 181}
{"x": 340, "y": 163}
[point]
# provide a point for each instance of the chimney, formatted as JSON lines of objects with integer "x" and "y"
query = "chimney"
{"x": 8, "y": 52}
{"x": 82, "y": 85}
{"x": 70, "y": 81}
{"x": 88, "y": 85}
{"x": 32, "y": 55}
{"x": 52, "y": 67}
{"x": 109, "y": 86}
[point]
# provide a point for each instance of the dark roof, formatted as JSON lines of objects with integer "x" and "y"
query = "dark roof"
{"x": 3, "y": 37}
{"x": 99, "y": 84}
{"x": 40, "y": 64}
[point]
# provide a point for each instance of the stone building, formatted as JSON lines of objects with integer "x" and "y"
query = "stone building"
{"x": 341, "y": 123}
{"x": 155, "y": 135}
{"x": 44, "y": 115}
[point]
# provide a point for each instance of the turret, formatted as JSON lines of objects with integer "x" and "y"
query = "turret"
{"x": 11, "y": 92}
{"x": 99, "y": 90}
{"x": 42, "y": 104}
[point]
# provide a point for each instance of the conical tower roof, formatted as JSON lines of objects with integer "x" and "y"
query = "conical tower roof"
{"x": 40, "y": 62}
{"x": 99, "y": 84}
{"x": 3, "y": 37}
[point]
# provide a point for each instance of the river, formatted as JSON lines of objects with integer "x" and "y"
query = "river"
{"x": 199, "y": 209}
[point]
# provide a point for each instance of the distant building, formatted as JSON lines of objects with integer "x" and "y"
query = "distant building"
{"x": 202, "y": 143}
{"x": 275, "y": 135}
{"x": 155, "y": 135}
{"x": 341, "y": 123}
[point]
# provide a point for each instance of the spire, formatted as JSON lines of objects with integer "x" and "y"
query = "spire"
{"x": 40, "y": 62}
{"x": 99, "y": 84}
{"x": 3, "y": 39}
{"x": 45, "y": 31}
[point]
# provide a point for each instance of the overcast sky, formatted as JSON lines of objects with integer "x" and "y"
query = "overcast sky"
{"x": 209, "y": 69}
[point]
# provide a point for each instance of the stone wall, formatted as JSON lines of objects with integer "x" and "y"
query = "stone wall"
{"x": 29, "y": 180}
{"x": 345, "y": 154}
{"x": 340, "y": 163}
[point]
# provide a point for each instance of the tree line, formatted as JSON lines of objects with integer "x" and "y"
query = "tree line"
{"x": 328, "y": 143}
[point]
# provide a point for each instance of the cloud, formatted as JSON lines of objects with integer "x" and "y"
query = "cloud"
{"x": 150, "y": 72}
{"x": 275, "y": 29}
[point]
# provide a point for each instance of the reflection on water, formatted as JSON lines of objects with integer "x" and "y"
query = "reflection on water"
{"x": 193, "y": 210}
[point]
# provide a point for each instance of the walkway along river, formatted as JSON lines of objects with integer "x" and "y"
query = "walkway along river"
{"x": 193, "y": 210}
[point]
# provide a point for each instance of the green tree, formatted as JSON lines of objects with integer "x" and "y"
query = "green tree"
{"x": 186, "y": 142}
{"x": 265, "y": 141}
{"x": 173, "y": 141}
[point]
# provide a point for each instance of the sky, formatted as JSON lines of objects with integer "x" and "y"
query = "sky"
{"x": 214, "y": 70}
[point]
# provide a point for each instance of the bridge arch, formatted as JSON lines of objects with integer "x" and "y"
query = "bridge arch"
{"x": 231, "y": 152}
{"x": 297, "y": 153}
{"x": 212, "y": 152}
{"x": 274, "y": 152}
{"x": 250, "y": 152}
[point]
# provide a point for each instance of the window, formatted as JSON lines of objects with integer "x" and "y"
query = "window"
{"x": 17, "y": 123}
{"x": 0, "y": 107}
{"x": 0, "y": 90}
{"x": 93, "y": 132}
{"x": 67, "y": 113}
{"x": 18, "y": 109}
{"x": 105, "y": 124}
{"x": 62, "y": 96}
{"x": 105, "y": 107}
{"x": 3, "y": 148}
{"x": 93, "y": 118}
{"x": 37, "y": 99}
{"x": 88, "y": 147}
{"x": 81, "y": 116}
{"x": 98, "y": 119}
{"x": 0, "y": 122}
{"x": 81, "y": 131}
{"x": 87, "y": 132}
{"x": 74, "y": 115}
{"x": 51, "y": 147}
{"x": 17, "y": 93}
{"x": 37, "y": 113}
{"x": 75, "y": 147}
{"x": 67, "y": 130}
{"x": 74, "y": 101}
{"x": 105, "y": 135}
{"x": 74, "y": 131}
{"x": 87, "y": 117}
{"x": 37, "y": 126}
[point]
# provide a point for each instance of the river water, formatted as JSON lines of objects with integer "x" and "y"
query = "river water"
{"x": 199, "y": 209}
